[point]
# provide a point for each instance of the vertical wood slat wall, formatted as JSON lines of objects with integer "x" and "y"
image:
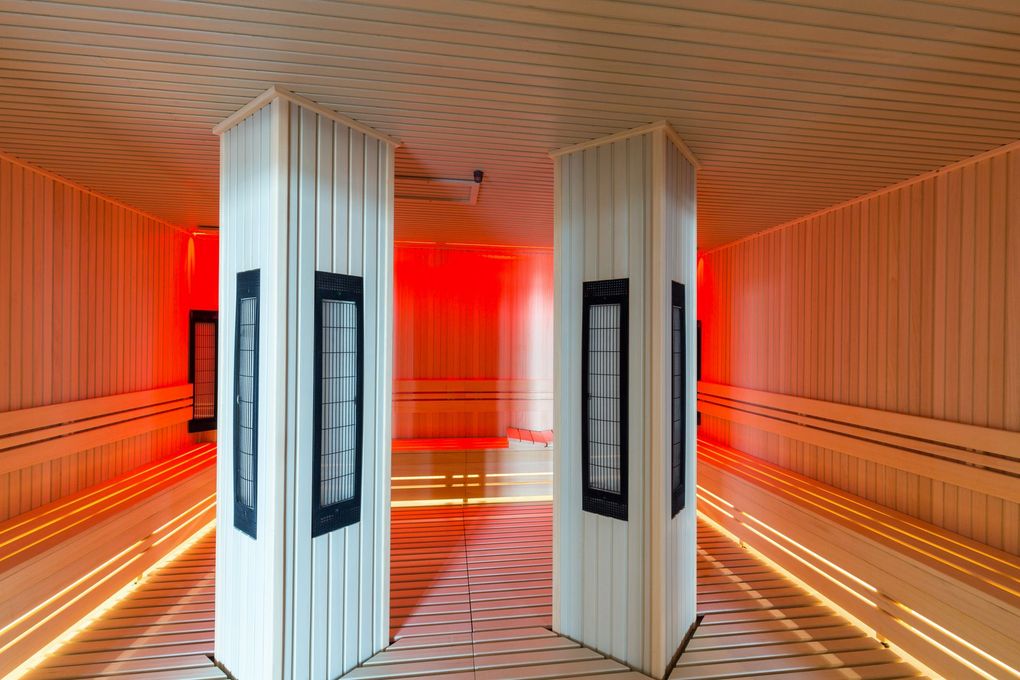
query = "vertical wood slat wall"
{"x": 625, "y": 208}
{"x": 905, "y": 301}
{"x": 93, "y": 302}
{"x": 597, "y": 240}
{"x": 471, "y": 332}
{"x": 300, "y": 192}
{"x": 246, "y": 185}
{"x": 678, "y": 558}
{"x": 341, "y": 220}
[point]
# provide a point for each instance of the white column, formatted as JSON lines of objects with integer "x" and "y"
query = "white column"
{"x": 302, "y": 189}
{"x": 625, "y": 209}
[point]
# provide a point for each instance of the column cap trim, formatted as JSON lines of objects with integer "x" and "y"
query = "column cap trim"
{"x": 276, "y": 92}
{"x": 633, "y": 132}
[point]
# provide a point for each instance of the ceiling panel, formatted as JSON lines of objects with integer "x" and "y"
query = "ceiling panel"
{"x": 790, "y": 106}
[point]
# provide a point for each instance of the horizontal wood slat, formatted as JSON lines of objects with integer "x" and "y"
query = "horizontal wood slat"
{"x": 977, "y": 458}
{"x": 45, "y": 433}
{"x": 162, "y": 629}
{"x": 1005, "y": 443}
{"x": 897, "y": 312}
{"x": 62, "y": 560}
{"x": 94, "y": 300}
{"x": 463, "y": 316}
{"x": 783, "y": 125}
{"x": 30, "y": 419}
{"x": 757, "y": 622}
{"x": 470, "y": 598}
{"x": 925, "y": 589}
{"x": 465, "y": 470}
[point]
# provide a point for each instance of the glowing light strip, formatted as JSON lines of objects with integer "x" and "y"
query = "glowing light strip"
{"x": 60, "y": 505}
{"x": 50, "y": 600}
{"x": 943, "y": 648}
{"x": 155, "y": 476}
{"x": 948, "y": 633}
{"x": 718, "y": 498}
{"x": 818, "y": 557}
{"x": 807, "y": 564}
{"x": 708, "y": 502}
{"x": 736, "y": 459}
{"x": 789, "y": 480}
{"x": 467, "y": 501}
{"x": 33, "y": 661}
{"x": 835, "y": 606}
{"x": 863, "y": 583}
{"x": 735, "y": 468}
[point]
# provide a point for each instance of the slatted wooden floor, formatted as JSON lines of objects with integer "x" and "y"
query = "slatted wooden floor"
{"x": 471, "y": 598}
{"x": 757, "y": 623}
{"x": 163, "y": 630}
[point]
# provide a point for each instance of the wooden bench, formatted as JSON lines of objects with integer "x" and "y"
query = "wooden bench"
{"x": 468, "y": 408}
{"x": 36, "y": 435}
{"x": 432, "y": 471}
{"x": 951, "y": 603}
{"x": 62, "y": 560}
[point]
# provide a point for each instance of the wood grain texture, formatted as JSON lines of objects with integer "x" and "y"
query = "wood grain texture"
{"x": 790, "y": 107}
{"x": 163, "y": 629}
{"x": 63, "y": 559}
{"x": 304, "y": 193}
{"x": 94, "y": 300}
{"x": 471, "y": 334}
{"x": 471, "y": 598}
{"x": 625, "y": 208}
{"x": 904, "y": 302}
{"x": 760, "y": 623}
{"x": 948, "y": 601}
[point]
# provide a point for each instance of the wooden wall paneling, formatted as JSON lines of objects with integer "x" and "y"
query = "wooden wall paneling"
{"x": 624, "y": 209}
{"x": 91, "y": 308}
{"x": 245, "y": 190}
{"x": 904, "y": 301}
{"x": 6, "y": 278}
{"x": 64, "y": 559}
{"x": 894, "y": 569}
{"x": 304, "y": 188}
{"x": 470, "y": 314}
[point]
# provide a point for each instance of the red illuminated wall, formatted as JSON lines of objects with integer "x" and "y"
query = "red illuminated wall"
{"x": 472, "y": 347}
{"x": 202, "y": 269}
{"x": 94, "y": 300}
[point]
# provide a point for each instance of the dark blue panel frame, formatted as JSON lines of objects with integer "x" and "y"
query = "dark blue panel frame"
{"x": 678, "y": 398}
{"x": 196, "y": 317}
{"x": 327, "y": 517}
{"x": 246, "y": 410}
{"x": 597, "y": 500}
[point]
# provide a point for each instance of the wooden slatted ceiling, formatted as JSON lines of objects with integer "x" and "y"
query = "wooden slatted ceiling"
{"x": 790, "y": 106}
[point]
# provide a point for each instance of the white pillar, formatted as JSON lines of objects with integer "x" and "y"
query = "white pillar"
{"x": 625, "y": 209}
{"x": 302, "y": 190}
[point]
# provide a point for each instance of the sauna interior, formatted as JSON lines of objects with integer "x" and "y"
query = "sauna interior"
{"x": 509, "y": 339}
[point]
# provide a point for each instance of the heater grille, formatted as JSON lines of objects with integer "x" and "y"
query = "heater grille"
{"x": 604, "y": 403}
{"x": 339, "y": 349}
{"x": 246, "y": 392}
{"x": 202, "y": 369}
{"x": 678, "y": 401}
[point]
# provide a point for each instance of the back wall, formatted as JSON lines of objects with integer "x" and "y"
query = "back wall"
{"x": 473, "y": 340}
